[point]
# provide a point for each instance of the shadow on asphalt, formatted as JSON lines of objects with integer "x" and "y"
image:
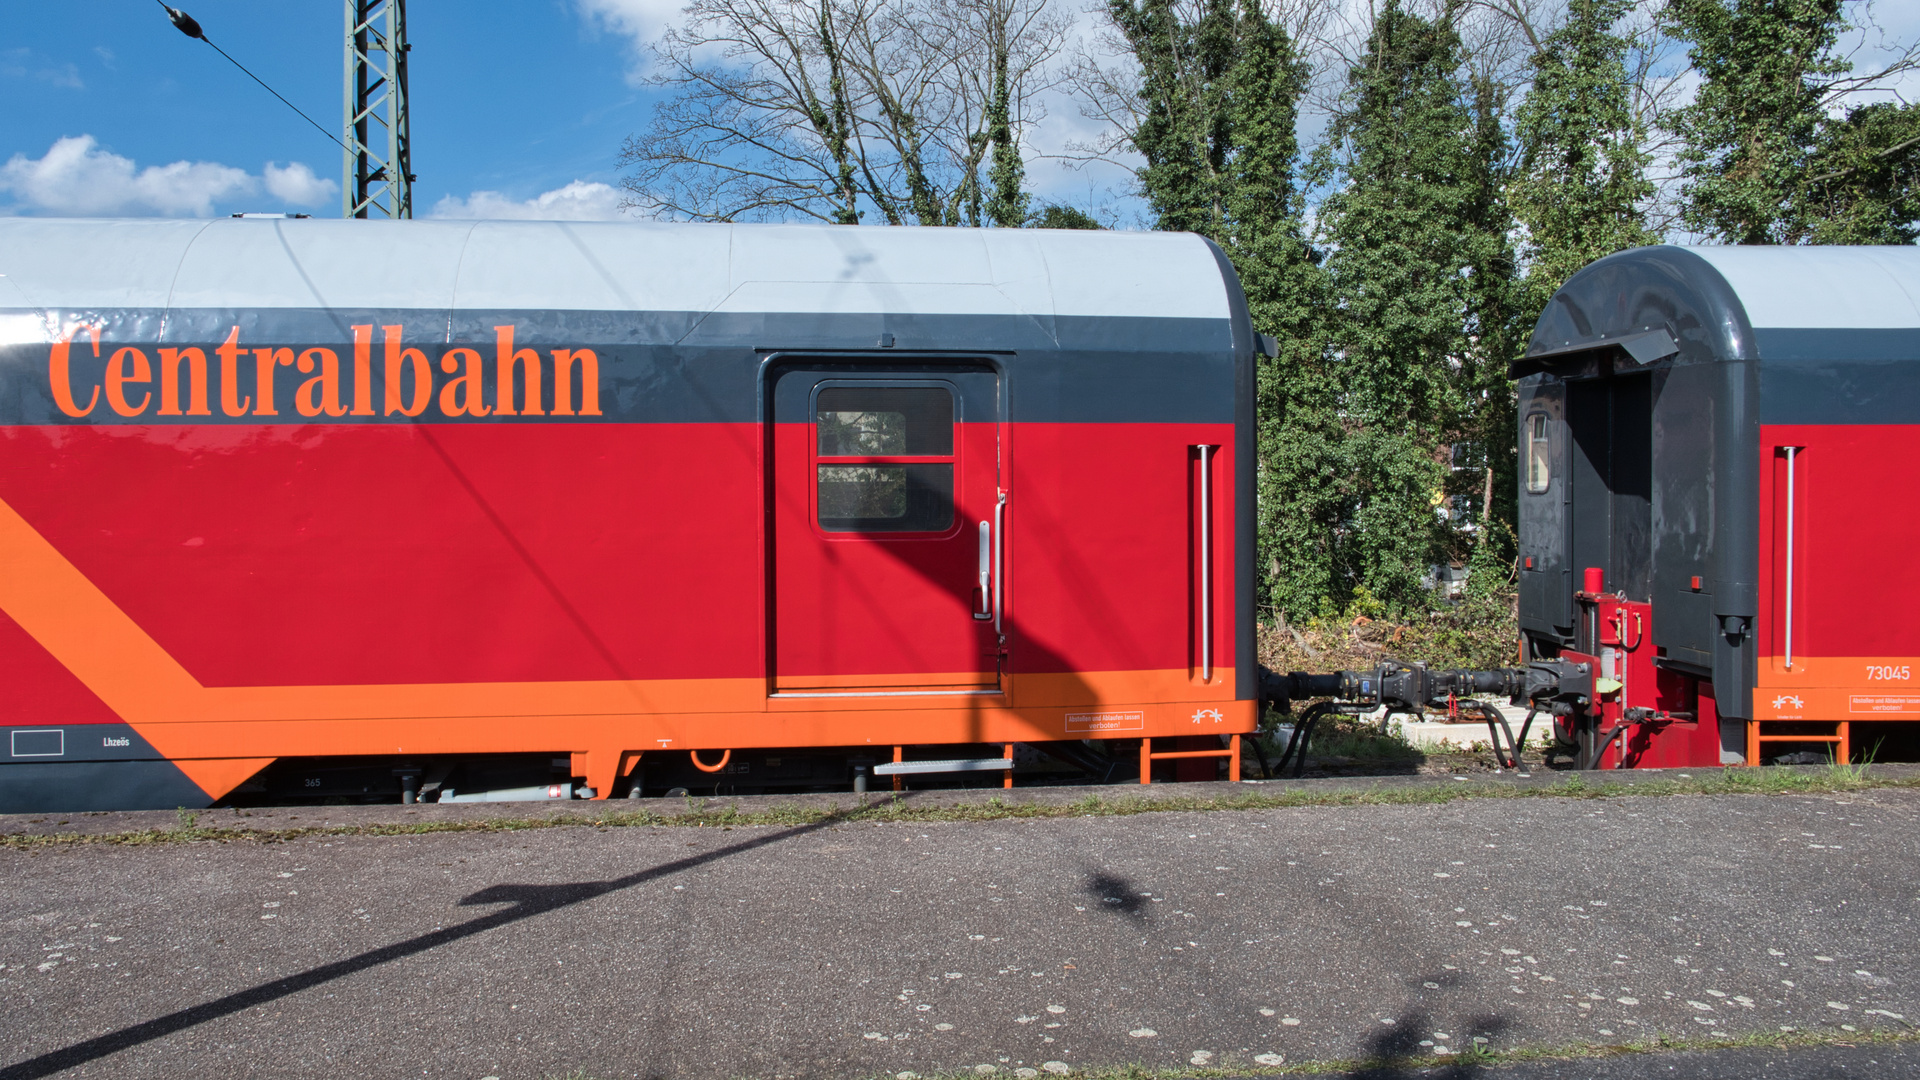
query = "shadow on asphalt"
{"x": 526, "y": 901}
{"x": 1116, "y": 894}
{"x": 1401, "y": 1043}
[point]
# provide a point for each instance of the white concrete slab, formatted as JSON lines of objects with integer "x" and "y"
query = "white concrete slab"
{"x": 1437, "y": 734}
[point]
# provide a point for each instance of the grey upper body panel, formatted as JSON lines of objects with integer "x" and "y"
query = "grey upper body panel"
{"x": 1633, "y": 293}
{"x": 1835, "y": 330}
{"x": 1102, "y": 326}
{"x": 604, "y": 266}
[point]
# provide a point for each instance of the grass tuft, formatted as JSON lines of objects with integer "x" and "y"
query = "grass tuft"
{"x": 700, "y": 814}
{"x": 1478, "y": 1055}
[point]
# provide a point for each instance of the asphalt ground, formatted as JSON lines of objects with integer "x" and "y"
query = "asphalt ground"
{"x": 1228, "y": 940}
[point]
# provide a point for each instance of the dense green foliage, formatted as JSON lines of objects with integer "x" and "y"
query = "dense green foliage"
{"x": 1060, "y": 216}
{"x": 1220, "y": 90}
{"x": 1581, "y": 184}
{"x": 1421, "y": 274}
{"x": 1221, "y": 97}
{"x": 1395, "y": 324}
{"x": 1765, "y": 160}
{"x": 1446, "y": 208}
{"x": 1008, "y": 174}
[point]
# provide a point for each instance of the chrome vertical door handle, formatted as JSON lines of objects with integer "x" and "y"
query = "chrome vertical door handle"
{"x": 999, "y": 560}
{"x": 1792, "y": 453}
{"x": 1206, "y": 564}
{"x": 987, "y": 606}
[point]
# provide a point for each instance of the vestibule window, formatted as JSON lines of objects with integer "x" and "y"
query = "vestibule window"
{"x": 1539, "y": 454}
{"x": 884, "y": 456}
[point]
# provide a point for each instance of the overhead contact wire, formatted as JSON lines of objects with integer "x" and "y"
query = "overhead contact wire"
{"x": 187, "y": 25}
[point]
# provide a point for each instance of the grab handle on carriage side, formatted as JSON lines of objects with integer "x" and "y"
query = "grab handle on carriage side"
{"x": 1206, "y": 562}
{"x": 999, "y": 561}
{"x": 1792, "y": 452}
{"x": 986, "y": 606}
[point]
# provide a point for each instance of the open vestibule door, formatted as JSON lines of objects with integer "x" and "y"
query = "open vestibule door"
{"x": 887, "y": 518}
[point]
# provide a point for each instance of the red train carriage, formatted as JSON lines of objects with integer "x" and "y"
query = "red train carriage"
{"x": 1716, "y": 502}
{"x": 399, "y": 502}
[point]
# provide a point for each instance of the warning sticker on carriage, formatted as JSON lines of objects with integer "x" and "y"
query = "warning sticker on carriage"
{"x": 1106, "y": 721}
{"x": 1885, "y": 704}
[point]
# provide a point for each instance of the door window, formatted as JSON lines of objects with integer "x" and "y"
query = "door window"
{"x": 884, "y": 459}
{"x": 1539, "y": 454}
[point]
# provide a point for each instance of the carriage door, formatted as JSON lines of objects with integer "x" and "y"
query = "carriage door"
{"x": 885, "y": 489}
{"x": 1611, "y": 421}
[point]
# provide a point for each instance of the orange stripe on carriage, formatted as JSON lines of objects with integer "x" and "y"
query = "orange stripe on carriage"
{"x": 222, "y": 735}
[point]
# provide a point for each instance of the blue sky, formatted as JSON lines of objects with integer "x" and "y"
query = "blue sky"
{"x": 519, "y": 106}
{"x": 512, "y": 98}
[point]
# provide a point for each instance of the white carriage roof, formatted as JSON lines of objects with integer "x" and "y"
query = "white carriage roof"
{"x": 1822, "y": 288}
{"x": 602, "y": 266}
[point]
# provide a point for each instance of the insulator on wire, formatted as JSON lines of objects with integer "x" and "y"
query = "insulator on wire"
{"x": 184, "y": 23}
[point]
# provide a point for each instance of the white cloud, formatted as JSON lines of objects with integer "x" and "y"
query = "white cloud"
{"x": 642, "y": 21}
{"x": 296, "y": 184}
{"x": 581, "y": 200}
{"x": 77, "y": 177}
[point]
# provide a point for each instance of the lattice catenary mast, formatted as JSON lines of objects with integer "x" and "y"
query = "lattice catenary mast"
{"x": 379, "y": 157}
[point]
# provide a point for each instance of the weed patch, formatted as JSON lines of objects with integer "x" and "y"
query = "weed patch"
{"x": 1480, "y": 1055}
{"x": 884, "y": 809}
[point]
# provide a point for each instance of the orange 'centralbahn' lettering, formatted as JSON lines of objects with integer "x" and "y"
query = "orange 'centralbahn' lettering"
{"x": 118, "y": 378}
{"x": 59, "y": 377}
{"x": 452, "y": 401}
{"x": 363, "y": 371}
{"x": 170, "y": 360}
{"x": 506, "y": 358}
{"x": 589, "y": 382}
{"x": 409, "y": 383}
{"x": 422, "y": 376}
{"x": 229, "y": 354}
{"x": 328, "y": 383}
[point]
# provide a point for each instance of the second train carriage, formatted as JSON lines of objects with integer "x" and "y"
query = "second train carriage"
{"x": 1715, "y": 500}
{"x": 610, "y": 495}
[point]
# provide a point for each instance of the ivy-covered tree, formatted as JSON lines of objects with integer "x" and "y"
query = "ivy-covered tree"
{"x": 1865, "y": 187}
{"x": 1061, "y": 216}
{"x": 1420, "y": 275}
{"x": 1764, "y": 160}
{"x": 1581, "y": 186}
{"x": 1580, "y": 189}
{"x": 1219, "y": 92}
{"x": 1007, "y": 176}
{"x": 1184, "y": 128}
{"x": 1259, "y": 204}
{"x": 1298, "y": 429}
{"x": 1499, "y": 320}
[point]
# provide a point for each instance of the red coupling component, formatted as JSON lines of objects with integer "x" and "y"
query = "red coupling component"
{"x": 1595, "y": 581}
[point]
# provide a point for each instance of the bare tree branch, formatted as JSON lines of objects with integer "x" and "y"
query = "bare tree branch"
{"x": 835, "y": 109}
